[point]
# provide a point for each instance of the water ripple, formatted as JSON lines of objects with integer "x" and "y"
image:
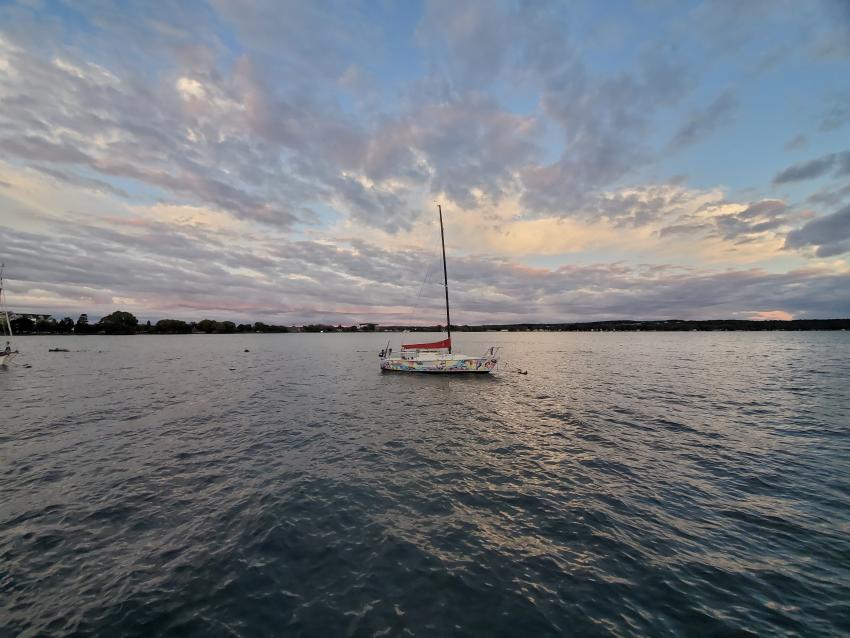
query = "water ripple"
{"x": 657, "y": 484}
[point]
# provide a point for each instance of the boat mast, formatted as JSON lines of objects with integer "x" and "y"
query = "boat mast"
{"x": 3, "y": 306}
{"x": 445, "y": 279}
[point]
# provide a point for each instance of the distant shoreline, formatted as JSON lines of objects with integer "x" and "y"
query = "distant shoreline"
{"x": 670, "y": 325}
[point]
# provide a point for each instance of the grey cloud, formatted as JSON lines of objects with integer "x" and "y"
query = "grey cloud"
{"x": 685, "y": 229}
{"x": 704, "y": 122}
{"x": 476, "y": 36}
{"x": 187, "y": 272}
{"x": 78, "y": 180}
{"x": 373, "y": 205}
{"x": 281, "y": 152}
{"x": 34, "y": 148}
{"x": 837, "y": 114}
{"x": 603, "y": 121}
{"x": 604, "y": 125}
{"x": 757, "y": 218}
{"x": 148, "y": 135}
{"x": 728, "y": 28}
{"x": 839, "y": 162}
{"x": 641, "y": 206}
{"x": 274, "y": 148}
{"x": 459, "y": 145}
{"x": 833, "y": 39}
{"x": 471, "y": 144}
{"x": 307, "y": 39}
{"x": 830, "y": 197}
{"x": 798, "y": 141}
{"x": 830, "y": 234}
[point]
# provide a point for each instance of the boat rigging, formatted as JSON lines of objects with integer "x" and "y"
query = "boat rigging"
{"x": 6, "y": 352}
{"x": 437, "y": 356}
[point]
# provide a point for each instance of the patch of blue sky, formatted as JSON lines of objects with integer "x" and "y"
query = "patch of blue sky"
{"x": 138, "y": 192}
{"x": 387, "y": 65}
{"x": 403, "y": 56}
{"x": 750, "y": 150}
{"x": 320, "y": 215}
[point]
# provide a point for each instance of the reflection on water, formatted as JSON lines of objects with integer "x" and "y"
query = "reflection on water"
{"x": 632, "y": 483}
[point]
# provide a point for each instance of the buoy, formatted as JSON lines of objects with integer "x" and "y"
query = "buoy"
{"x": 246, "y": 350}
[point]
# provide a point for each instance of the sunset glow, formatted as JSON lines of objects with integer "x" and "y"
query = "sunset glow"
{"x": 259, "y": 160}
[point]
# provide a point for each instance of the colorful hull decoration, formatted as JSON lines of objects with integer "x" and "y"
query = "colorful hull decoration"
{"x": 440, "y": 364}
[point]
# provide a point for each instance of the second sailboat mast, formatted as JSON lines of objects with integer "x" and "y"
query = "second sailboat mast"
{"x": 445, "y": 279}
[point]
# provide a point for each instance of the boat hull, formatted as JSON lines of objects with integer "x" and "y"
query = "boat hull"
{"x": 441, "y": 365}
{"x": 6, "y": 358}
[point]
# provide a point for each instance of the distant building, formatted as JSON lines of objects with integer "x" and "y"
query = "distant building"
{"x": 367, "y": 327}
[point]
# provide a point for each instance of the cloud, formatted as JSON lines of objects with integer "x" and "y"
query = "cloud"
{"x": 302, "y": 42}
{"x": 604, "y": 125}
{"x": 702, "y": 123}
{"x": 118, "y": 129}
{"x": 772, "y": 315}
{"x": 757, "y": 218}
{"x": 819, "y": 167}
{"x": 830, "y": 234}
{"x": 796, "y": 142}
{"x": 261, "y": 158}
{"x": 830, "y": 197}
{"x": 158, "y": 269}
{"x": 475, "y": 34}
{"x": 78, "y": 180}
{"x": 837, "y": 114}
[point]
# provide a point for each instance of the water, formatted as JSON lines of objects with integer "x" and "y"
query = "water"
{"x": 631, "y": 483}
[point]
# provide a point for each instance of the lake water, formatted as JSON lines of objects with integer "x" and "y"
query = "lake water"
{"x": 631, "y": 483}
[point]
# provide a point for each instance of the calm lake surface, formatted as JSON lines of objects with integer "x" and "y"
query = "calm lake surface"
{"x": 631, "y": 483}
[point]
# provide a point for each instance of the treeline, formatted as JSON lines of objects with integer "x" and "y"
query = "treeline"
{"x": 124, "y": 323}
{"x": 669, "y": 325}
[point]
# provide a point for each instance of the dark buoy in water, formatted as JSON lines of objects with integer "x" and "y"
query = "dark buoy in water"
{"x": 246, "y": 350}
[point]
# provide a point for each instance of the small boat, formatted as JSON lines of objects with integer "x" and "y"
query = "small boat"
{"x": 6, "y": 352}
{"x": 437, "y": 356}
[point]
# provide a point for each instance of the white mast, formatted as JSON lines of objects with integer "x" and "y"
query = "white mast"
{"x": 3, "y": 305}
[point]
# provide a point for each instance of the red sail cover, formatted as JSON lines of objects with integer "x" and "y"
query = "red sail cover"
{"x": 436, "y": 345}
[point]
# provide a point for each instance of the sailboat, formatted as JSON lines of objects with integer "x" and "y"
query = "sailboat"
{"x": 6, "y": 352}
{"x": 437, "y": 356}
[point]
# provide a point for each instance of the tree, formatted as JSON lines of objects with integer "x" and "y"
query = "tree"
{"x": 66, "y": 326}
{"x": 23, "y": 325}
{"x": 82, "y": 326}
{"x": 226, "y": 326}
{"x": 119, "y": 323}
{"x": 207, "y": 325}
{"x": 172, "y": 326}
{"x": 46, "y": 326}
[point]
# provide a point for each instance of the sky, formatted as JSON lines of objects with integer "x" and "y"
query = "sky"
{"x": 281, "y": 161}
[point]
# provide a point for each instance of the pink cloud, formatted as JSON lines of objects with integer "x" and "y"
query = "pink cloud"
{"x": 772, "y": 315}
